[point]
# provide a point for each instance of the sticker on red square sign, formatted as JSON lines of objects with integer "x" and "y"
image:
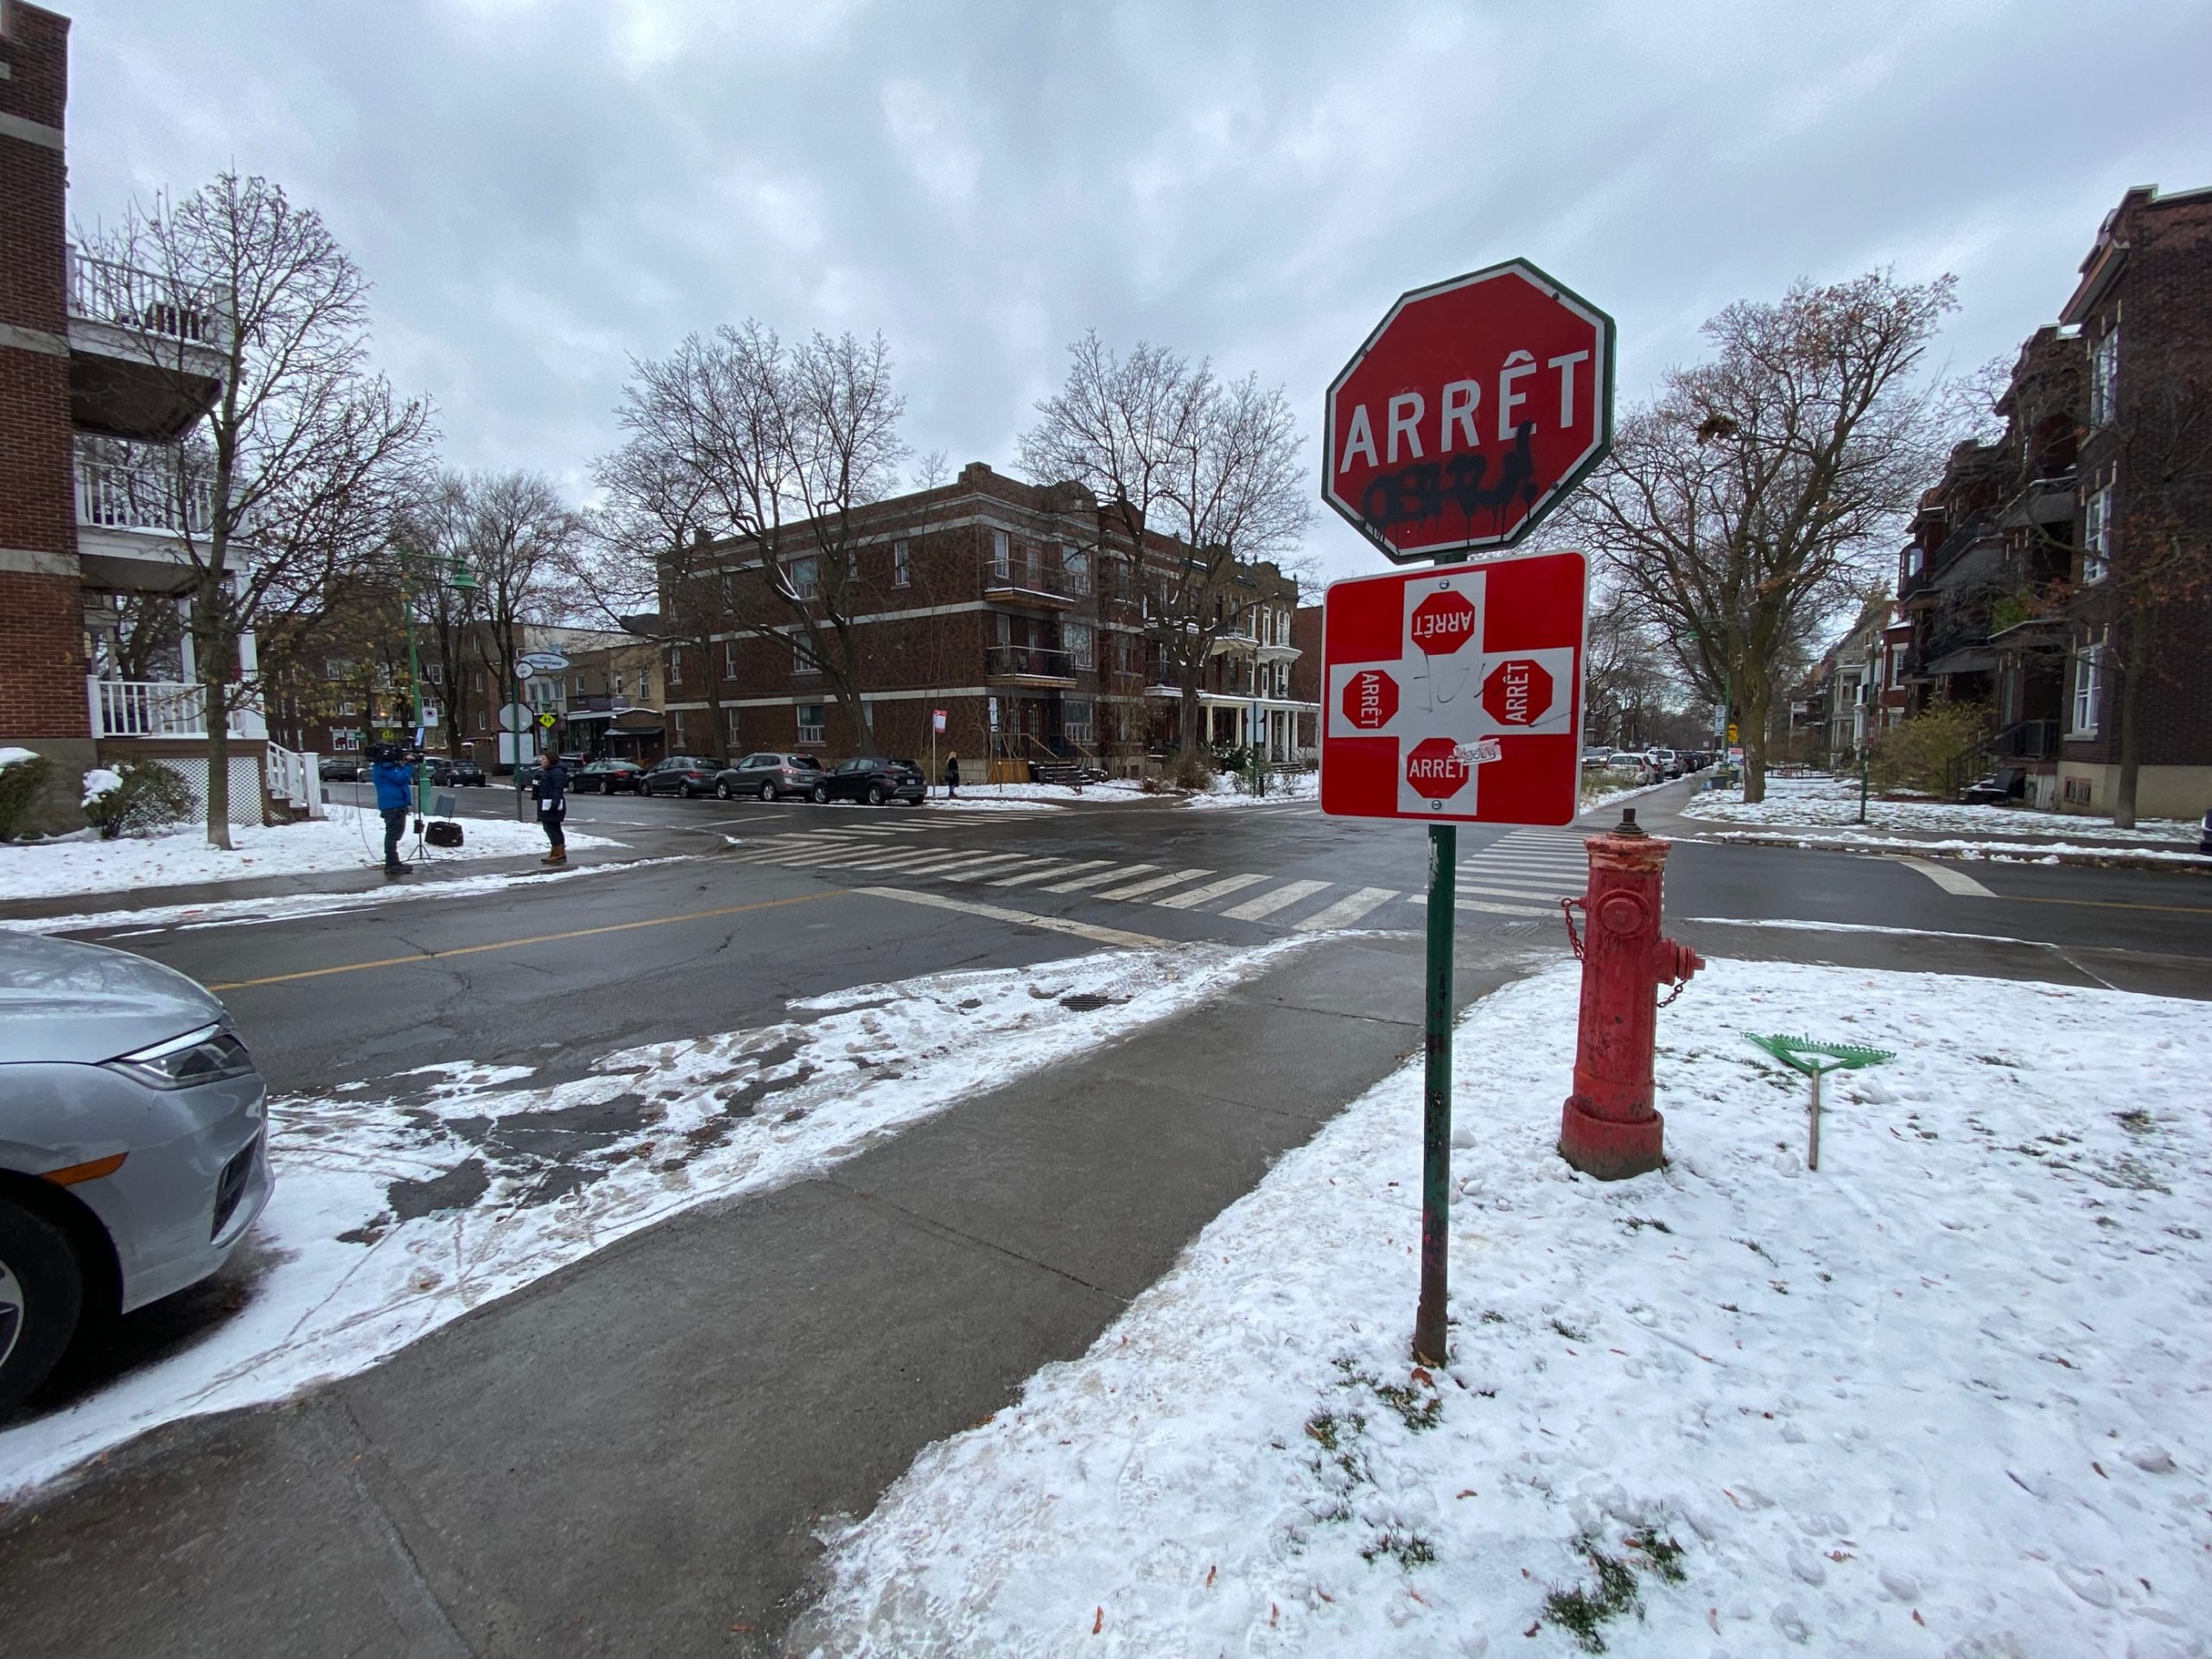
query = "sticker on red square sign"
{"x": 1456, "y": 694}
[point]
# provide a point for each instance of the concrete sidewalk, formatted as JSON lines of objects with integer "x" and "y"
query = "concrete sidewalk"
{"x": 631, "y": 1456}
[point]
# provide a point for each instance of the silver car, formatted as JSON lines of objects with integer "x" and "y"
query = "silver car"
{"x": 133, "y": 1145}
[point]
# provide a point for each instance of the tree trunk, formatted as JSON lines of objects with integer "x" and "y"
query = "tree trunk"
{"x": 213, "y": 666}
{"x": 2135, "y": 663}
{"x": 1752, "y": 701}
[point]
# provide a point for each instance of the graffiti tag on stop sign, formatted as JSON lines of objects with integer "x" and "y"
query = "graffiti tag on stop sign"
{"x": 1455, "y": 694}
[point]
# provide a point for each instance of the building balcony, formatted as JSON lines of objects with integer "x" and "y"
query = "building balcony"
{"x": 138, "y": 507}
{"x": 2048, "y": 500}
{"x": 147, "y": 356}
{"x": 161, "y": 709}
{"x": 1029, "y": 665}
{"x": 1028, "y": 585}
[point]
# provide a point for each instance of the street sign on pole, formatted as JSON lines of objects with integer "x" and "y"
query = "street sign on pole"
{"x": 1472, "y": 409}
{"x": 1455, "y": 694}
{"x": 523, "y": 670}
{"x": 1470, "y": 412}
{"x": 937, "y": 721}
{"x": 542, "y": 662}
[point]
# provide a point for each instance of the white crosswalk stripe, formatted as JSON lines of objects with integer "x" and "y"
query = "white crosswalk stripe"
{"x": 1138, "y": 889}
{"x": 1518, "y": 890}
{"x": 1345, "y": 912}
{"x": 998, "y": 866}
{"x": 1487, "y": 907}
{"x": 1052, "y": 867}
{"x": 1208, "y": 894}
{"x": 1259, "y": 909}
{"x": 1096, "y": 878}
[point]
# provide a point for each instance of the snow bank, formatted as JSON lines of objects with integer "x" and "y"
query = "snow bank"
{"x": 1954, "y": 846}
{"x": 1231, "y": 789}
{"x": 1823, "y": 799}
{"x": 399, "y": 1207}
{"x": 14, "y": 757}
{"x": 1946, "y": 1397}
{"x": 349, "y": 839}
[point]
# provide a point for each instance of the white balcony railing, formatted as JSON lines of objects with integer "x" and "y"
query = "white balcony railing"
{"x": 161, "y": 708}
{"x": 124, "y": 296}
{"x": 146, "y": 492}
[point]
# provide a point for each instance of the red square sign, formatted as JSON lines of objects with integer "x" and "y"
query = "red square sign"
{"x": 1456, "y": 693}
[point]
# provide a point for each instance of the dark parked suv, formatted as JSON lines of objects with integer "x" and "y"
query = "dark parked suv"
{"x": 681, "y": 774}
{"x": 768, "y": 776}
{"x": 873, "y": 778}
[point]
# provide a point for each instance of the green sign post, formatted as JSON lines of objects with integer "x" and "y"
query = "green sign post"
{"x": 1815, "y": 1060}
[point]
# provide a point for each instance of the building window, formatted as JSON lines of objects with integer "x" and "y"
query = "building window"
{"x": 333, "y": 668}
{"x": 2088, "y": 685}
{"x": 1077, "y": 637}
{"x": 618, "y": 682}
{"x": 2096, "y": 536}
{"x": 809, "y": 722}
{"x": 806, "y": 577}
{"x": 675, "y": 667}
{"x": 645, "y": 685}
{"x": 345, "y": 706}
{"x": 2104, "y": 380}
{"x": 902, "y": 564}
{"x": 480, "y": 679}
{"x": 1075, "y": 721}
{"x": 729, "y": 730}
{"x": 433, "y": 672}
{"x": 1001, "y": 554}
{"x": 802, "y": 664}
{"x": 1076, "y": 566}
{"x": 677, "y": 718}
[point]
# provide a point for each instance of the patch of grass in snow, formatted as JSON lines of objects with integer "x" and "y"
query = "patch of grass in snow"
{"x": 1416, "y": 1400}
{"x": 1584, "y": 1611}
{"x": 1569, "y": 1331}
{"x": 1408, "y": 1549}
{"x": 2131, "y": 1173}
{"x": 1636, "y": 1224}
{"x": 1332, "y": 1433}
{"x": 1491, "y": 1316}
{"x": 2135, "y": 1121}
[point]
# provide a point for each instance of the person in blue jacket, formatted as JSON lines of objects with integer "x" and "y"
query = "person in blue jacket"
{"x": 395, "y": 781}
{"x": 550, "y": 791}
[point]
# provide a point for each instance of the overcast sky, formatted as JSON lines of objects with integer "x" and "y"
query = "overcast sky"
{"x": 540, "y": 191}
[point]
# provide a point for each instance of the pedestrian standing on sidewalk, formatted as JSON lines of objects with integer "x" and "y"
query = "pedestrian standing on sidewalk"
{"x": 395, "y": 782}
{"x": 952, "y": 775}
{"x": 550, "y": 791}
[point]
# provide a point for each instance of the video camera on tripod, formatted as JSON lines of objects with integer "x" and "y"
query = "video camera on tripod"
{"x": 403, "y": 755}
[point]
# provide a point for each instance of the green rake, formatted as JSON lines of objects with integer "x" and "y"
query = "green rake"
{"x": 1815, "y": 1060}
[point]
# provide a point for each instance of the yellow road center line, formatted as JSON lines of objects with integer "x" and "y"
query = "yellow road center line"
{"x": 2109, "y": 903}
{"x": 515, "y": 944}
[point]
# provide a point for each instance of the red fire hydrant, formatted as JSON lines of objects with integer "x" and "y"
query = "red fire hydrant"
{"x": 1610, "y": 1130}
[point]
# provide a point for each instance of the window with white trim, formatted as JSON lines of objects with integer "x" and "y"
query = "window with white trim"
{"x": 675, "y": 667}
{"x": 345, "y": 706}
{"x": 1075, "y": 721}
{"x": 1076, "y": 636}
{"x": 2096, "y": 536}
{"x": 2104, "y": 379}
{"x": 802, "y": 664}
{"x": 677, "y": 721}
{"x": 730, "y": 726}
{"x": 1075, "y": 565}
{"x": 809, "y": 722}
{"x": 2089, "y": 688}
{"x": 806, "y": 577}
{"x": 1002, "y": 554}
{"x": 902, "y": 564}
{"x": 645, "y": 685}
{"x": 729, "y": 660}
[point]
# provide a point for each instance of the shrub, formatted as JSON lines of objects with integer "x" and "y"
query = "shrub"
{"x": 22, "y": 775}
{"x": 1194, "y": 769}
{"x": 144, "y": 796}
{"x": 1915, "y": 754}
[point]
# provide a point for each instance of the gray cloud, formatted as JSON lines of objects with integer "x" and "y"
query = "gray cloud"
{"x": 540, "y": 190}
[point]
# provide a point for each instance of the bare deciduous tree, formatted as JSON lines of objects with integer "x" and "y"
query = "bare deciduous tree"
{"x": 1211, "y": 466}
{"x": 780, "y": 446}
{"x": 298, "y": 467}
{"x": 1752, "y": 494}
{"x": 518, "y": 539}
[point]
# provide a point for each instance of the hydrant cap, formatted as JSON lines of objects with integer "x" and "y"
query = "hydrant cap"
{"x": 1628, "y": 825}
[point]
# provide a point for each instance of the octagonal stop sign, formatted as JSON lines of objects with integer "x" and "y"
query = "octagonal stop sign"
{"x": 1517, "y": 692}
{"x": 1370, "y": 698}
{"x": 1472, "y": 408}
{"x": 1442, "y": 623}
{"x": 1435, "y": 769}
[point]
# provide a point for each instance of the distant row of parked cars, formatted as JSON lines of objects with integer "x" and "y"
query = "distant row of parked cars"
{"x": 764, "y": 776}
{"x": 1656, "y": 763}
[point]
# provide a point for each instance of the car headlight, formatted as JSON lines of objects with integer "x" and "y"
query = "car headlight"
{"x": 208, "y": 1055}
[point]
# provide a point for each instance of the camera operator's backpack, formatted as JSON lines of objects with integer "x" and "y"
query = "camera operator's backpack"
{"x": 442, "y": 833}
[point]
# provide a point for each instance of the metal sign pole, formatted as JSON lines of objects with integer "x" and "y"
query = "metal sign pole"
{"x": 1432, "y": 1333}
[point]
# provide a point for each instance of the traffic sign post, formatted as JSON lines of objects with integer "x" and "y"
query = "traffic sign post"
{"x": 1472, "y": 409}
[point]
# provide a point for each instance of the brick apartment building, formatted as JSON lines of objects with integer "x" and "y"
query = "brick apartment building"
{"x": 95, "y": 666}
{"x": 1023, "y": 612}
{"x": 2014, "y": 587}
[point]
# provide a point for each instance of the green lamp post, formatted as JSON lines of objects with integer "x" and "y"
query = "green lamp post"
{"x": 458, "y": 578}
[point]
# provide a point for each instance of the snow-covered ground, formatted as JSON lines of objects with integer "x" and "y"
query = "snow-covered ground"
{"x": 1034, "y": 792}
{"x": 1234, "y": 789}
{"x": 349, "y": 839}
{"x": 1615, "y": 792}
{"x": 287, "y": 907}
{"x": 1949, "y": 1397}
{"x": 2048, "y": 852}
{"x": 400, "y": 1206}
{"x": 1823, "y": 799}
